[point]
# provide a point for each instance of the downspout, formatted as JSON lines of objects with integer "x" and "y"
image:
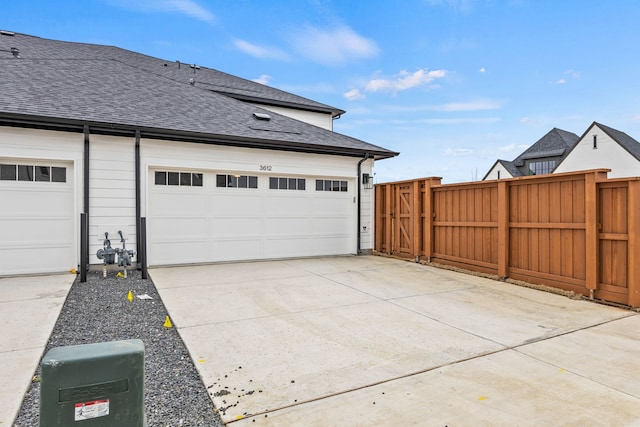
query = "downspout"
{"x": 359, "y": 185}
{"x": 139, "y": 261}
{"x": 86, "y": 170}
{"x": 84, "y": 219}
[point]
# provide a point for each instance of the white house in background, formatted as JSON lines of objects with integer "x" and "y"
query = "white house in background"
{"x": 603, "y": 147}
{"x": 222, "y": 168}
{"x": 540, "y": 158}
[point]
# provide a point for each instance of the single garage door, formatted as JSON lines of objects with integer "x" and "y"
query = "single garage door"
{"x": 197, "y": 217}
{"x": 36, "y": 218}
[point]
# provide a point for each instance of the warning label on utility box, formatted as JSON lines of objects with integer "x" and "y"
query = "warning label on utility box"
{"x": 92, "y": 409}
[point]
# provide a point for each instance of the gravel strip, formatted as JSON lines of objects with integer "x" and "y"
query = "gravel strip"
{"x": 99, "y": 311}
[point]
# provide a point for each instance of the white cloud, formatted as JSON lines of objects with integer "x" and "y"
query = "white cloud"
{"x": 464, "y": 6}
{"x": 354, "y": 95}
{"x": 482, "y": 70}
{"x": 336, "y": 46}
{"x": 471, "y": 106}
{"x": 457, "y": 152}
{"x": 259, "y": 51}
{"x": 460, "y": 120}
{"x": 572, "y": 73}
{"x": 480, "y": 105}
{"x": 187, "y": 7}
{"x": 635, "y": 118}
{"x": 263, "y": 79}
{"x": 405, "y": 80}
{"x": 561, "y": 82}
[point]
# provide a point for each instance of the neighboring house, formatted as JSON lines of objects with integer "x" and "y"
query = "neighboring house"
{"x": 603, "y": 147}
{"x": 541, "y": 158}
{"x": 222, "y": 168}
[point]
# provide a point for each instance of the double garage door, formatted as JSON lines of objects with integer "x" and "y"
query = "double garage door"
{"x": 36, "y": 217}
{"x": 199, "y": 217}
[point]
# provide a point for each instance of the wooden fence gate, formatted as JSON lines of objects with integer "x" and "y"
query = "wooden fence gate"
{"x": 576, "y": 231}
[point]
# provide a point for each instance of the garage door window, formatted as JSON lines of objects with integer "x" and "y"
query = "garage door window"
{"x": 331, "y": 185}
{"x": 32, "y": 173}
{"x": 184, "y": 179}
{"x": 276, "y": 183}
{"x": 236, "y": 181}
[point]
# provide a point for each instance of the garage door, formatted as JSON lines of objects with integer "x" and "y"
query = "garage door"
{"x": 36, "y": 219}
{"x": 207, "y": 216}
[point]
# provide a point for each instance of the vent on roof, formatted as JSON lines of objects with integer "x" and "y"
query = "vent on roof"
{"x": 262, "y": 116}
{"x": 7, "y": 33}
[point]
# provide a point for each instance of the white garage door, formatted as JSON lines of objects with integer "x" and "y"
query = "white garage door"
{"x": 36, "y": 218}
{"x": 206, "y": 217}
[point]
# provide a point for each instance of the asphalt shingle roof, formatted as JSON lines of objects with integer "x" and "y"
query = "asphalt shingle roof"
{"x": 111, "y": 87}
{"x": 556, "y": 142}
{"x": 31, "y": 47}
{"x": 627, "y": 142}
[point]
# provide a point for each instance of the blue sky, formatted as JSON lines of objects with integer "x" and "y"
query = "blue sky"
{"x": 452, "y": 85}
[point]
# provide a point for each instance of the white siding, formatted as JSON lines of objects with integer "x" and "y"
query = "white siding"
{"x": 367, "y": 209}
{"x": 608, "y": 154}
{"x": 493, "y": 173}
{"x": 323, "y": 120}
{"x": 112, "y": 194}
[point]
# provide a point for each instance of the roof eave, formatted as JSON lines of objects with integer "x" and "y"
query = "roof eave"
{"x": 76, "y": 125}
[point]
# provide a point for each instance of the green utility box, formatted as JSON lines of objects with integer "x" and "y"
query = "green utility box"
{"x": 93, "y": 385}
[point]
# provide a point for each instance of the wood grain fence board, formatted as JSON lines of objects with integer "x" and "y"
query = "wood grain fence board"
{"x": 633, "y": 228}
{"x": 577, "y": 231}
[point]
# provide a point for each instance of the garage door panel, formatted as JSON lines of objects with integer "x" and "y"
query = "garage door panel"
{"x": 184, "y": 252}
{"x": 177, "y": 228}
{"x": 248, "y": 227}
{"x": 331, "y": 205}
{"x": 322, "y": 245}
{"x": 283, "y": 247}
{"x": 35, "y": 230}
{"x": 236, "y": 205}
{"x": 236, "y": 249}
{"x": 286, "y": 205}
{"x": 330, "y": 226}
{"x": 288, "y": 226}
{"x": 42, "y": 200}
{"x": 176, "y": 204}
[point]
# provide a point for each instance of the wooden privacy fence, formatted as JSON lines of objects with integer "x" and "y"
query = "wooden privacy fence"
{"x": 577, "y": 231}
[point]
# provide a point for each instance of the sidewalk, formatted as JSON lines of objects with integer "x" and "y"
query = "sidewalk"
{"x": 29, "y": 307}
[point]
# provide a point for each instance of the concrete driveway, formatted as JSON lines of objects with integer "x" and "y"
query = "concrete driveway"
{"x": 29, "y": 307}
{"x": 360, "y": 341}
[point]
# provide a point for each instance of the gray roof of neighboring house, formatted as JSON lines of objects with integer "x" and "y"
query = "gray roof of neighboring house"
{"x": 72, "y": 84}
{"x": 556, "y": 142}
{"x": 509, "y": 166}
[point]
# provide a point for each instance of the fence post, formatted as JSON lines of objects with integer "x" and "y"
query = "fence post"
{"x": 377, "y": 218}
{"x": 415, "y": 219}
{"x": 591, "y": 232}
{"x": 427, "y": 232}
{"x": 503, "y": 229}
{"x": 390, "y": 209}
{"x": 633, "y": 251}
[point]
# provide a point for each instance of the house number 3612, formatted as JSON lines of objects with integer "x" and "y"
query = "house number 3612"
{"x": 265, "y": 168}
